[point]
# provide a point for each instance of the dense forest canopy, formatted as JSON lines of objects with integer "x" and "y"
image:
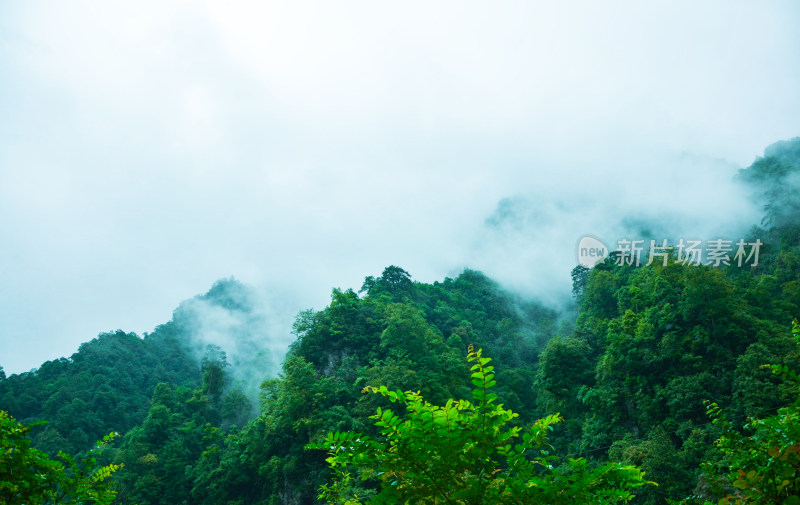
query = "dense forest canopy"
{"x": 632, "y": 371}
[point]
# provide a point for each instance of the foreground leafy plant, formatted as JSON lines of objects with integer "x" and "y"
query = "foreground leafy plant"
{"x": 465, "y": 453}
{"x": 28, "y": 475}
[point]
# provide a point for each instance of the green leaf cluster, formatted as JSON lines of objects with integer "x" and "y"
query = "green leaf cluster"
{"x": 28, "y": 475}
{"x": 465, "y": 453}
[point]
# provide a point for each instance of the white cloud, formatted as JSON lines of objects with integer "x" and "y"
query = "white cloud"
{"x": 149, "y": 148}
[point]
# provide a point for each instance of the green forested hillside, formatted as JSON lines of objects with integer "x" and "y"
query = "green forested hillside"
{"x": 400, "y": 334}
{"x": 629, "y": 374}
{"x": 108, "y": 383}
{"x": 652, "y": 344}
{"x": 105, "y": 386}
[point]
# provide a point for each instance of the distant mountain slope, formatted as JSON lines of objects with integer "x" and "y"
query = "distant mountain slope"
{"x": 107, "y": 384}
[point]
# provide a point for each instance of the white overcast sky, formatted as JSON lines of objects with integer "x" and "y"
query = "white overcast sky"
{"x": 149, "y": 148}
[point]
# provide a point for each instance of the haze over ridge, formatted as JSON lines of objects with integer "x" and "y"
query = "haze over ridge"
{"x": 149, "y": 150}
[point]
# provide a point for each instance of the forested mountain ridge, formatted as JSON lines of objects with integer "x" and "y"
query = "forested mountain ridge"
{"x": 392, "y": 335}
{"x": 629, "y": 375}
{"x": 654, "y": 342}
{"x": 107, "y": 384}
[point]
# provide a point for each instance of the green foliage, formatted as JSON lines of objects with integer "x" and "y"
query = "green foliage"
{"x": 182, "y": 426}
{"x": 651, "y": 344}
{"x": 394, "y": 283}
{"x": 761, "y": 465}
{"x": 465, "y": 453}
{"x": 28, "y": 475}
{"x": 103, "y": 387}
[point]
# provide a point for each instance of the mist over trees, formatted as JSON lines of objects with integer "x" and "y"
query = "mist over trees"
{"x": 654, "y": 369}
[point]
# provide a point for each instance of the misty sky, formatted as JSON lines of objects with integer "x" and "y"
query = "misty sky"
{"x": 150, "y": 148}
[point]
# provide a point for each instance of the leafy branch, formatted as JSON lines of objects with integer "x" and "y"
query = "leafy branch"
{"x": 464, "y": 453}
